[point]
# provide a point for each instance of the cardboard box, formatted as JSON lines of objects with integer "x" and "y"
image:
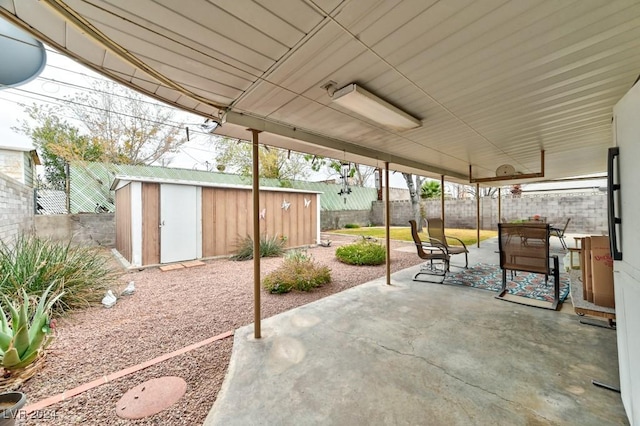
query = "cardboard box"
{"x": 587, "y": 289}
{"x": 602, "y": 272}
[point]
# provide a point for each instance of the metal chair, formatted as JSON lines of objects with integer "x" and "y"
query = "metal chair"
{"x": 435, "y": 228}
{"x": 438, "y": 264}
{"x": 560, "y": 233}
{"x": 525, "y": 247}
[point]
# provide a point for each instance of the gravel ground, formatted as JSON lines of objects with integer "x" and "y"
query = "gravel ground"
{"x": 171, "y": 310}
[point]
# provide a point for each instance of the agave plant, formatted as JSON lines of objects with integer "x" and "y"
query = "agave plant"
{"x": 24, "y": 340}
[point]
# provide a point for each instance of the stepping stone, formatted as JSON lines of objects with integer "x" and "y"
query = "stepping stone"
{"x": 171, "y": 267}
{"x": 151, "y": 397}
{"x": 193, "y": 263}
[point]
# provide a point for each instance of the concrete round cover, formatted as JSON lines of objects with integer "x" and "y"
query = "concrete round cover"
{"x": 151, "y": 397}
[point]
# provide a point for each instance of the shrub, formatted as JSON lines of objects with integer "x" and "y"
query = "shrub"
{"x": 363, "y": 252}
{"x": 33, "y": 264}
{"x": 269, "y": 247}
{"x": 352, "y": 226}
{"x": 296, "y": 273}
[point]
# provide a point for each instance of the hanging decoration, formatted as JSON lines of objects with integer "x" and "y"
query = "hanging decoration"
{"x": 285, "y": 205}
{"x": 263, "y": 214}
{"x": 345, "y": 170}
{"x": 307, "y": 203}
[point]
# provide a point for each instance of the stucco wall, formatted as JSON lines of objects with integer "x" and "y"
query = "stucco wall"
{"x": 11, "y": 164}
{"x": 16, "y": 208}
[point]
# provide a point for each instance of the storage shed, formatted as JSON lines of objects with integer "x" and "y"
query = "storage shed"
{"x": 164, "y": 221}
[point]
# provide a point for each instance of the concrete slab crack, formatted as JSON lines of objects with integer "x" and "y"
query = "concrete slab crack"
{"x": 431, "y": 363}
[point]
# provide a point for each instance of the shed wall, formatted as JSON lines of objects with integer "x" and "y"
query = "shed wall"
{"x": 227, "y": 218}
{"x": 123, "y": 222}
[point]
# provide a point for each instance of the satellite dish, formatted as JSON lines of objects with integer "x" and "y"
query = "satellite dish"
{"x": 505, "y": 170}
{"x": 22, "y": 57}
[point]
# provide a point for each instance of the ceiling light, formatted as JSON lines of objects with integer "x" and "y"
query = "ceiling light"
{"x": 368, "y": 105}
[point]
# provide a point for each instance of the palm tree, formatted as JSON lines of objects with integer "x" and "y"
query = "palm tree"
{"x": 431, "y": 189}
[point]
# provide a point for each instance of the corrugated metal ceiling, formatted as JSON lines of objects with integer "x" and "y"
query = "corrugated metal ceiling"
{"x": 494, "y": 81}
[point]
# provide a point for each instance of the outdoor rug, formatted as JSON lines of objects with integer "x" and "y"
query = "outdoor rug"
{"x": 524, "y": 284}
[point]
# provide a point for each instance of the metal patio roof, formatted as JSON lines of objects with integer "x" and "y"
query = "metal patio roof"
{"x": 493, "y": 82}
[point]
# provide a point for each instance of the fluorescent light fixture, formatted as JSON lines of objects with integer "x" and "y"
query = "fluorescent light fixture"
{"x": 368, "y": 105}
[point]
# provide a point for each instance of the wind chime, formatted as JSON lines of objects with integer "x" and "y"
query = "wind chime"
{"x": 345, "y": 170}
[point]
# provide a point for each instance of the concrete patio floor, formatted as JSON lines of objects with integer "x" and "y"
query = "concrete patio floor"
{"x": 418, "y": 353}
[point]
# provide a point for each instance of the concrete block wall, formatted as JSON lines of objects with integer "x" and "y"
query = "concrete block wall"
{"x": 16, "y": 208}
{"x": 334, "y": 219}
{"x": 82, "y": 228}
{"x": 588, "y": 212}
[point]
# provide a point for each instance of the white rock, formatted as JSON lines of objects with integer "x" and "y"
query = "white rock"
{"x": 131, "y": 288}
{"x": 109, "y": 299}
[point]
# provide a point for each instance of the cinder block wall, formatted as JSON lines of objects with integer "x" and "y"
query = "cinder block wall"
{"x": 335, "y": 219}
{"x": 588, "y": 212}
{"x": 16, "y": 208}
{"x": 82, "y": 228}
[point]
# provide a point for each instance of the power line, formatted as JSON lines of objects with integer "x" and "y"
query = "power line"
{"x": 61, "y": 102}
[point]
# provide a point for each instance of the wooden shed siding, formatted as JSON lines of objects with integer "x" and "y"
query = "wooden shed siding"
{"x": 123, "y": 222}
{"x": 150, "y": 223}
{"x": 227, "y": 218}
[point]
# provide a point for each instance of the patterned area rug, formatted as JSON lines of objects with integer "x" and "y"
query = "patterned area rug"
{"x": 489, "y": 277}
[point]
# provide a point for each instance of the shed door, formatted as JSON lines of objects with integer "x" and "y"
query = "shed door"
{"x": 178, "y": 223}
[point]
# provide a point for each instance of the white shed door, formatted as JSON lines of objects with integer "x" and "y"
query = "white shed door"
{"x": 178, "y": 223}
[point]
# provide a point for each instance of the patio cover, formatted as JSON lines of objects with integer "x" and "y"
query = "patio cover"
{"x": 493, "y": 82}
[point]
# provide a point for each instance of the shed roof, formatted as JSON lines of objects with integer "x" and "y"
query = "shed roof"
{"x": 120, "y": 180}
{"x": 91, "y": 185}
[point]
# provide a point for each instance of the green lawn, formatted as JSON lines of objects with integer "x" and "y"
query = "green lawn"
{"x": 404, "y": 234}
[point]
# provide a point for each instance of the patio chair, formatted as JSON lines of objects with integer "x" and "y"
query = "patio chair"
{"x": 438, "y": 264}
{"x": 435, "y": 228}
{"x": 525, "y": 247}
{"x": 560, "y": 233}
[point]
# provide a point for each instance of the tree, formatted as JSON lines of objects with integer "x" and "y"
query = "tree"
{"x": 414, "y": 195}
{"x": 58, "y": 143}
{"x": 274, "y": 163}
{"x": 129, "y": 129}
{"x": 488, "y": 191}
{"x": 431, "y": 189}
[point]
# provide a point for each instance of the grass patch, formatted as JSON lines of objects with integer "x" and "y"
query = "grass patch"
{"x": 297, "y": 272}
{"x": 362, "y": 253}
{"x": 352, "y": 226}
{"x": 33, "y": 264}
{"x": 269, "y": 247}
{"x": 404, "y": 234}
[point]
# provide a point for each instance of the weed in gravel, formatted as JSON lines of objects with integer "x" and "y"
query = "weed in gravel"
{"x": 33, "y": 264}
{"x": 297, "y": 254}
{"x": 269, "y": 247}
{"x": 298, "y": 272}
{"x": 363, "y": 252}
